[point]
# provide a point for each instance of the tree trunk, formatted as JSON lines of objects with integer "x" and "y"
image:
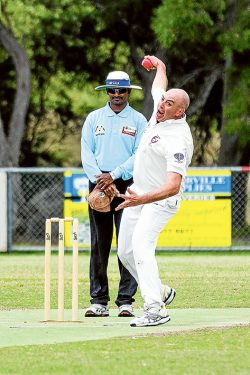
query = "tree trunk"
{"x": 146, "y": 77}
{"x": 10, "y": 144}
{"x": 230, "y": 152}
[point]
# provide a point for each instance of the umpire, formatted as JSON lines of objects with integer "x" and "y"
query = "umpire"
{"x": 110, "y": 138}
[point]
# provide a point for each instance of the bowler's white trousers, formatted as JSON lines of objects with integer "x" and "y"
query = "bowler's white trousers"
{"x": 138, "y": 234}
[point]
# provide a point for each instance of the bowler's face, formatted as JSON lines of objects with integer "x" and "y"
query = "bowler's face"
{"x": 170, "y": 107}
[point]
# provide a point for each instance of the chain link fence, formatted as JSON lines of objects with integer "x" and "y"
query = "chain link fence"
{"x": 33, "y": 196}
{"x": 241, "y": 209}
{"x": 37, "y": 194}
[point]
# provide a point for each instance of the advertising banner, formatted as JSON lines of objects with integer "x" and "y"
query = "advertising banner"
{"x": 203, "y": 220}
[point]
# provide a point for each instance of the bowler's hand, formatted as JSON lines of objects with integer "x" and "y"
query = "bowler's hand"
{"x": 103, "y": 180}
{"x": 130, "y": 199}
{"x": 154, "y": 60}
{"x": 111, "y": 190}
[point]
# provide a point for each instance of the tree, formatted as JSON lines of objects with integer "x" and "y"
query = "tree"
{"x": 212, "y": 39}
{"x": 235, "y": 130}
{"x": 190, "y": 37}
{"x": 132, "y": 29}
{"x": 73, "y": 45}
{"x": 55, "y": 35}
{"x": 70, "y": 45}
{"x": 11, "y": 134}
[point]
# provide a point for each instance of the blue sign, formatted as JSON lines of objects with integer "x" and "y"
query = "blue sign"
{"x": 76, "y": 185}
{"x": 212, "y": 184}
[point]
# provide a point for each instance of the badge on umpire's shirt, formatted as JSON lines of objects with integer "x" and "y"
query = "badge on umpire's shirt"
{"x": 129, "y": 130}
{"x": 99, "y": 130}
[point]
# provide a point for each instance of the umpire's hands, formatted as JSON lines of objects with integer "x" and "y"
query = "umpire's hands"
{"x": 130, "y": 199}
{"x": 104, "y": 180}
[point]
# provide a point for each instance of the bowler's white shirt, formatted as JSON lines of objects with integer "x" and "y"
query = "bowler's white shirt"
{"x": 165, "y": 147}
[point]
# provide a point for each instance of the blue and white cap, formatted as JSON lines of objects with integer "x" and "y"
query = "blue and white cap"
{"x": 117, "y": 79}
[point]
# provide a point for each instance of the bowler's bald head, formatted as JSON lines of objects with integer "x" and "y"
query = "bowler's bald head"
{"x": 181, "y": 96}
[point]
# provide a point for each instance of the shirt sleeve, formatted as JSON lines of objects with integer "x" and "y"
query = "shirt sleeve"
{"x": 157, "y": 96}
{"x": 87, "y": 151}
{"x": 125, "y": 170}
{"x": 177, "y": 159}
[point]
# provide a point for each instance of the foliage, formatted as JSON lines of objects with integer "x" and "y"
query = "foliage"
{"x": 237, "y": 37}
{"x": 52, "y": 32}
{"x": 237, "y": 109}
{"x": 73, "y": 45}
{"x": 69, "y": 45}
{"x": 183, "y": 22}
{"x": 215, "y": 32}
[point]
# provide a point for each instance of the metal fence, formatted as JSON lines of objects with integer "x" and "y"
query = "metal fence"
{"x": 36, "y": 194}
{"x": 33, "y": 196}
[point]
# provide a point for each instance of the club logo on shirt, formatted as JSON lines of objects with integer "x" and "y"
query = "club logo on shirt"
{"x": 99, "y": 130}
{"x": 155, "y": 139}
{"x": 179, "y": 157}
{"x": 129, "y": 130}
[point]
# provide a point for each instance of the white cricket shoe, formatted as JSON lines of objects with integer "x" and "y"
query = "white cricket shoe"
{"x": 152, "y": 317}
{"x": 125, "y": 311}
{"x": 169, "y": 295}
{"x": 96, "y": 310}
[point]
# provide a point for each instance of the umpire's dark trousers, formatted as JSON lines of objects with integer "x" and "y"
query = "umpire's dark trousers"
{"x": 101, "y": 231}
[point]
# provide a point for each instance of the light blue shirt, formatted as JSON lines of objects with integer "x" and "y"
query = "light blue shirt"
{"x": 109, "y": 141}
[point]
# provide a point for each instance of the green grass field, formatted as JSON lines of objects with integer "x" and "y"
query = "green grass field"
{"x": 218, "y": 281}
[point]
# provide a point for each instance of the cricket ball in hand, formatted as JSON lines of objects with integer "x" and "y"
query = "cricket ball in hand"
{"x": 147, "y": 64}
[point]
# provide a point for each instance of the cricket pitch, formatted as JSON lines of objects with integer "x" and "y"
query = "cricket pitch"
{"x": 25, "y": 327}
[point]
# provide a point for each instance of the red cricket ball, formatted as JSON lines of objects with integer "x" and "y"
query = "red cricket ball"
{"x": 147, "y": 64}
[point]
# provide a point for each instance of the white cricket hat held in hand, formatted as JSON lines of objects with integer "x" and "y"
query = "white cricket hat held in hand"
{"x": 117, "y": 79}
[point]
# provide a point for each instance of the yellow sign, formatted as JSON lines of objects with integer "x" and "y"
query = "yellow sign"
{"x": 199, "y": 223}
{"x": 204, "y": 218}
{"x": 78, "y": 210}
